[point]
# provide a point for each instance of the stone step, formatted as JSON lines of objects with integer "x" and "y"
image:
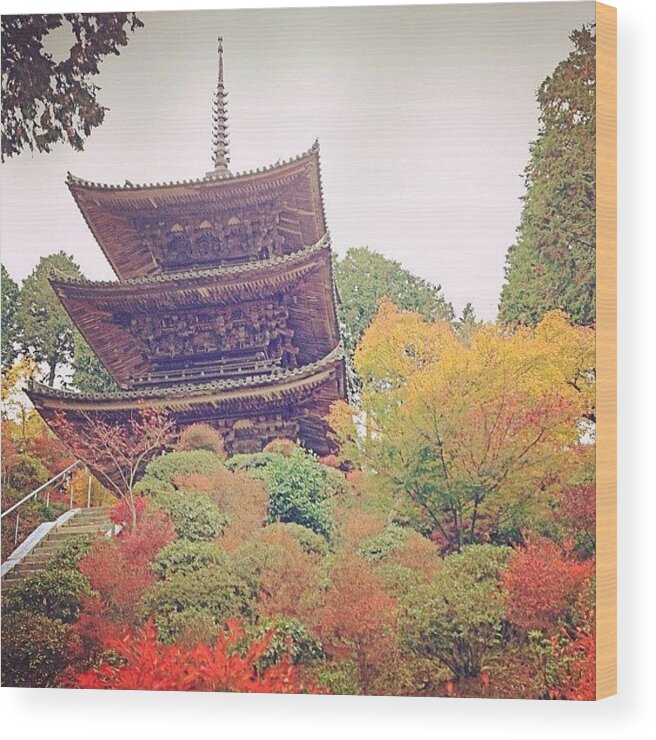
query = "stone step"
{"x": 25, "y": 569}
{"x": 65, "y": 533}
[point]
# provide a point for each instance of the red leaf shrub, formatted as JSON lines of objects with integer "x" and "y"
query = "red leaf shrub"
{"x": 119, "y": 569}
{"x": 122, "y": 515}
{"x": 539, "y": 581}
{"x": 150, "y": 665}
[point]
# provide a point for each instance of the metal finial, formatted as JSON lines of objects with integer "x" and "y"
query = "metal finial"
{"x": 220, "y": 141}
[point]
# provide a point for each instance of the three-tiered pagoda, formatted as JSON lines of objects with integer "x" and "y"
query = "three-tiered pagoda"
{"x": 224, "y": 308}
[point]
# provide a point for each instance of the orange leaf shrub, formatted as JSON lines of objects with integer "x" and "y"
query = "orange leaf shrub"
{"x": 357, "y": 620}
{"x": 119, "y": 569}
{"x": 202, "y": 437}
{"x": 281, "y": 446}
{"x": 242, "y": 498}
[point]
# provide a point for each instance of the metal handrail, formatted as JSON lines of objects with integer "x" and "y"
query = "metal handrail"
{"x": 38, "y": 490}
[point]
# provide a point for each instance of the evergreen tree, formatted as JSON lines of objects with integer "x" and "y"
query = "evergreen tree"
{"x": 89, "y": 374}
{"x": 10, "y": 293}
{"x": 364, "y": 277}
{"x": 552, "y": 263}
{"x": 46, "y": 333}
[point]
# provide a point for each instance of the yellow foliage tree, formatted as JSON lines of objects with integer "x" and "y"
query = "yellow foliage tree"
{"x": 471, "y": 431}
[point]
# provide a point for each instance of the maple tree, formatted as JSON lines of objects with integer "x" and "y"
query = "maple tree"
{"x": 117, "y": 453}
{"x": 469, "y": 431}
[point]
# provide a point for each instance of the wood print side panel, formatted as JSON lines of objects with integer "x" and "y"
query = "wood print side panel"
{"x": 606, "y": 666}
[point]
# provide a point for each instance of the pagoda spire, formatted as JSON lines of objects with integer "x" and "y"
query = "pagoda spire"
{"x": 220, "y": 140}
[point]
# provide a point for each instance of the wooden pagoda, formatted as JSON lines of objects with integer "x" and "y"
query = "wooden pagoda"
{"x": 224, "y": 308}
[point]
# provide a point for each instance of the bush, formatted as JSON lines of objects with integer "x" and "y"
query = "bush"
{"x": 202, "y": 437}
{"x": 281, "y": 446}
{"x": 382, "y": 545}
{"x": 285, "y": 575}
{"x": 184, "y": 556}
{"x": 300, "y": 490}
{"x": 310, "y": 541}
{"x": 289, "y": 637}
{"x": 458, "y": 618}
{"x": 250, "y": 461}
{"x": 119, "y": 569}
{"x": 70, "y": 553}
{"x": 56, "y": 595}
{"x": 168, "y": 468}
{"x": 33, "y": 649}
{"x": 195, "y": 516}
{"x": 147, "y": 664}
{"x": 218, "y": 594}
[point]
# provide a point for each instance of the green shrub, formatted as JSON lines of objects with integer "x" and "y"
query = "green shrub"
{"x": 382, "y": 545}
{"x": 290, "y": 637}
{"x": 212, "y": 593}
{"x": 70, "y": 553}
{"x": 300, "y": 489}
{"x": 202, "y": 437}
{"x": 250, "y": 461}
{"x": 183, "y": 556}
{"x": 310, "y": 541}
{"x": 195, "y": 516}
{"x": 174, "y": 465}
{"x": 53, "y": 594}
{"x": 458, "y": 618}
{"x": 33, "y": 649}
{"x": 149, "y": 486}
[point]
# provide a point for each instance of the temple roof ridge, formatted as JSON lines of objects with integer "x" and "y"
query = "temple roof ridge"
{"x": 72, "y": 179}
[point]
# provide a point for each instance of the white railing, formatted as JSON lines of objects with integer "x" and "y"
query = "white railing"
{"x": 46, "y": 487}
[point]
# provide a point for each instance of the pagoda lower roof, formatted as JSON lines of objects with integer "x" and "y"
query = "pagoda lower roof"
{"x": 101, "y": 310}
{"x": 115, "y": 213}
{"x": 227, "y": 396}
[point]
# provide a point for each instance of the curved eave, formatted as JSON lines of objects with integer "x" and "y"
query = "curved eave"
{"x": 108, "y": 209}
{"x": 100, "y": 310}
{"x": 258, "y": 390}
{"x": 69, "y": 287}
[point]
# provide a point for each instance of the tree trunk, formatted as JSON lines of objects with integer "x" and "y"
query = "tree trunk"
{"x": 52, "y": 372}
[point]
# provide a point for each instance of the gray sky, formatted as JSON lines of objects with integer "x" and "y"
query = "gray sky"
{"x": 424, "y": 115}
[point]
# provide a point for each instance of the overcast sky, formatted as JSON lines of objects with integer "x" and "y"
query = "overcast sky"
{"x": 424, "y": 115}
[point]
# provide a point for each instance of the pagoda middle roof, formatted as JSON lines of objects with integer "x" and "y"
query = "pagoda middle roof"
{"x": 99, "y": 309}
{"x": 116, "y": 214}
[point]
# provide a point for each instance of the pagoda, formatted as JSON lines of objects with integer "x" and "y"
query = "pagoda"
{"x": 224, "y": 307}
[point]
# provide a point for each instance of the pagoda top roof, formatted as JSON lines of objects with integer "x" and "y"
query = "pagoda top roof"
{"x": 41, "y": 394}
{"x": 121, "y": 217}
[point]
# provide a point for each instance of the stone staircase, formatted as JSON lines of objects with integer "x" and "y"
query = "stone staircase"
{"x": 93, "y": 521}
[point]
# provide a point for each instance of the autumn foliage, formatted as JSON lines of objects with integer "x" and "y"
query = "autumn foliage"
{"x": 149, "y": 665}
{"x": 539, "y": 581}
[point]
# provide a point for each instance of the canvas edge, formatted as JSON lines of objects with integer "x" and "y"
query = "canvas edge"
{"x": 606, "y": 349}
